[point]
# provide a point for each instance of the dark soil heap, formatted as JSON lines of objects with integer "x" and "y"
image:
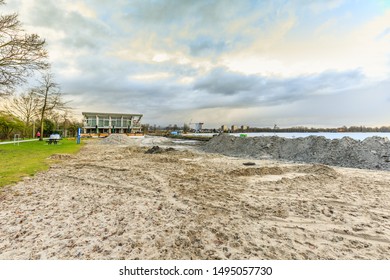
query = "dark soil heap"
{"x": 371, "y": 153}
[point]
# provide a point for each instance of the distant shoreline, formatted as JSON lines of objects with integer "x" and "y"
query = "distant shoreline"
{"x": 328, "y": 135}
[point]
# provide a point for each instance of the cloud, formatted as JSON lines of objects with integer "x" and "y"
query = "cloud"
{"x": 255, "y": 90}
{"x": 206, "y": 46}
{"x": 81, "y": 27}
{"x": 224, "y": 82}
{"x": 319, "y": 6}
{"x": 170, "y": 59}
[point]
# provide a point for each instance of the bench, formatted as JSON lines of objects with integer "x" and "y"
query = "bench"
{"x": 54, "y": 138}
{"x": 50, "y": 141}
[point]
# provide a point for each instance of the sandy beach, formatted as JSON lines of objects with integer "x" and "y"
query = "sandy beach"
{"x": 118, "y": 202}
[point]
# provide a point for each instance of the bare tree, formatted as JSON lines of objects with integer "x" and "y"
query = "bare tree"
{"x": 20, "y": 53}
{"x": 72, "y": 125}
{"x": 50, "y": 98}
{"x": 65, "y": 116}
{"x": 26, "y": 107}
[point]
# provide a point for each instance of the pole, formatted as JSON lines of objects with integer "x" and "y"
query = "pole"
{"x": 78, "y": 135}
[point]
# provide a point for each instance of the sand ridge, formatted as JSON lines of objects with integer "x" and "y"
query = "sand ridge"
{"x": 118, "y": 202}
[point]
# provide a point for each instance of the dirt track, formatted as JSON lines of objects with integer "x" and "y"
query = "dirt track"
{"x": 116, "y": 202}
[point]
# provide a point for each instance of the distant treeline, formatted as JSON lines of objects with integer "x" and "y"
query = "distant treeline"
{"x": 313, "y": 129}
{"x": 186, "y": 128}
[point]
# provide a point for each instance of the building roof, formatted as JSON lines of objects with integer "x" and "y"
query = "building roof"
{"x": 111, "y": 114}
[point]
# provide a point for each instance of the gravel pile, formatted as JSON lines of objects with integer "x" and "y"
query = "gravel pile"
{"x": 119, "y": 139}
{"x": 371, "y": 153}
{"x": 146, "y": 141}
{"x": 158, "y": 150}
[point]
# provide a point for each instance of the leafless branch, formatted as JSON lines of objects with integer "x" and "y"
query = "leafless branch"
{"x": 20, "y": 54}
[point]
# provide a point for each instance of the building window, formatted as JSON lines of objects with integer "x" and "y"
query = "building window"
{"x": 91, "y": 121}
{"x": 126, "y": 122}
{"x": 103, "y": 121}
{"x": 116, "y": 122}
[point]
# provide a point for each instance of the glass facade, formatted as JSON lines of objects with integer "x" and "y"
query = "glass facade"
{"x": 116, "y": 122}
{"x": 111, "y": 123}
{"x": 90, "y": 121}
{"x": 126, "y": 122}
{"x": 104, "y": 121}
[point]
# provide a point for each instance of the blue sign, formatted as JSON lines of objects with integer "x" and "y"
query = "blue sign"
{"x": 78, "y": 135}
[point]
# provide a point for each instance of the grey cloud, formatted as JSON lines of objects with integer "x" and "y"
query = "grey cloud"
{"x": 255, "y": 90}
{"x": 206, "y": 46}
{"x": 186, "y": 12}
{"x": 222, "y": 81}
{"x": 108, "y": 82}
{"x": 80, "y": 32}
{"x": 202, "y": 28}
{"x": 195, "y": 28}
{"x": 107, "y": 73}
{"x": 220, "y": 88}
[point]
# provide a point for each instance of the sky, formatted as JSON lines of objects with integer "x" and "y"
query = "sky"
{"x": 247, "y": 62}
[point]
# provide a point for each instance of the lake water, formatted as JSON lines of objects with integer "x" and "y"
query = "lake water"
{"x": 329, "y": 135}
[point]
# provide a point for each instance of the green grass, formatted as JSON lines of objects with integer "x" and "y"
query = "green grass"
{"x": 29, "y": 158}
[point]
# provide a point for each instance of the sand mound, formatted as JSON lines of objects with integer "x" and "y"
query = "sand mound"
{"x": 158, "y": 150}
{"x": 372, "y": 153}
{"x": 61, "y": 156}
{"x": 145, "y": 141}
{"x": 120, "y": 139}
{"x": 262, "y": 171}
{"x": 318, "y": 169}
{"x": 155, "y": 141}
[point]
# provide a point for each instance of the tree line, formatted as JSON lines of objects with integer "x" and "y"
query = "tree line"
{"x": 186, "y": 128}
{"x": 40, "y": 107}
{"x": 313, "y": 129}
{"x": 22, "y": 115}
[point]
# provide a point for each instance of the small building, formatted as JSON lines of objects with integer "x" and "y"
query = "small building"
{"x": 234, "y": 128}
{"x": 224, "y": 128}
{"x": 198, "y": 127}
{"x": 111, "y": 123}
{"x": 244, "y": 127}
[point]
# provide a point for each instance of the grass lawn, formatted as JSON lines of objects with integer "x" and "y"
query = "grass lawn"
{"x": 28, "y": 158}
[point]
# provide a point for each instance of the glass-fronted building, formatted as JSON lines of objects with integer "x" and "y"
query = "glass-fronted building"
{"x": 96, "y": 123}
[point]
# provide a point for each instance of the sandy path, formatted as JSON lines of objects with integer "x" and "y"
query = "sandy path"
{"x": 116, "y": 202}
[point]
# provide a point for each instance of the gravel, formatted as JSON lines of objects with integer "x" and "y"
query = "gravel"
{"x": 371, "y": 153}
